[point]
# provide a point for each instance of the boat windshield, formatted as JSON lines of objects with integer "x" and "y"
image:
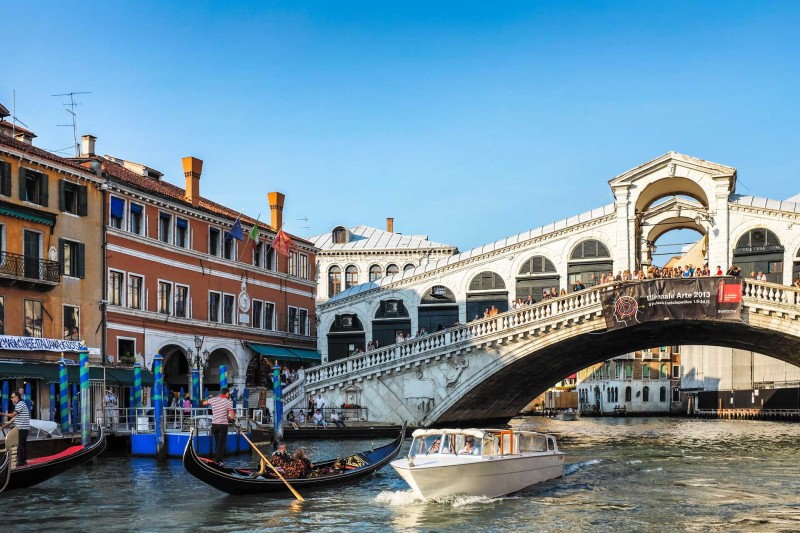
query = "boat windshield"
{"x": 426, "y": 445}
{"x": 447, "y": 443}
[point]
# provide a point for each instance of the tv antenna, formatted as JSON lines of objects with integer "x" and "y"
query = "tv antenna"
{"x": 4, "y": 113}
{"x": 71, "y": 110}
{"x": 306, "y": 227}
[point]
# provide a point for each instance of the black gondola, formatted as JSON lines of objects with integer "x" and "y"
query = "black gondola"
{"x": 43, "y": 468}
{"x": 5, "y": 460}
{"x": 242, "y": 481}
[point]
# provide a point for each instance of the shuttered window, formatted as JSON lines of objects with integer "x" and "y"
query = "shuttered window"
{"x": 72, "y": 258}
{"x": 5, "y": 178}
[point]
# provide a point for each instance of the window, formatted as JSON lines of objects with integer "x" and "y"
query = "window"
{"x": 2, "y": 315}
{"x": 339, "y": 235}
{"x": 258, "y": 314}
{"x": 5, "y": 178}
{"x": 628, "y": 371}
{"x": 33, "y": 187}
{"x": 72, "y": 258}
{"x": 214, "y": 300}
{"x": 646, "y": 394}
{"x": 213, "y": 241}
{"x": 32, "y": 321}
{"x": 628, "y": 394}
{"x": 117, "y": 215}
{"x": 303, "y": 270}
{"x": 271, "y": 261}
{"x": 391, "y": 270}
{"x": 165, "y": 297}
{"x": 181, "y": 232}
{"x": 258, "y": 254}
{"x": 126, "y": 348}
{"x": 228, "y": 304}
{"x": 72, "y": 198}
{"x": 302, "y": 321}
{"x": 115, "y": 285}
{"x": 72, "y": 323}
{"x": 269, "y": 315}
{"x": 676, "y": 371}
{"x": 350, "y": 276}
{"x": 165, "y": 228}
{"x": 375, "y": 272}
{"x": 292, "y": 263}
{"x": 676, "y": 394}
{"x": 181, "y": 301}
{"x": 408, "y": 267}
{"x": 334, "y": 281}
{"x": 662, "y": 394}
{"x": 293, "y": 320}
{"x": 229, "y": 248}
{"x": 774, "y": 267}
{"x": 676, "y": 349}
{"x": 645, "y": 371}
{"x": 663, "y": 372}
{"x": 135, "y": 217}
{"x": 135, "y": 285}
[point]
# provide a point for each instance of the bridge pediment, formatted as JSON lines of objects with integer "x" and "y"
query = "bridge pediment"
{"x": 675, "y": 165}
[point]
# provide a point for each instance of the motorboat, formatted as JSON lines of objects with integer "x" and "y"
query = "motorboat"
{"x": 478, "y": 462}
{"x": 568, "y": 415}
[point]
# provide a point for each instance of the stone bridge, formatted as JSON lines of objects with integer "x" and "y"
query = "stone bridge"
{"x": 488, "y": 370}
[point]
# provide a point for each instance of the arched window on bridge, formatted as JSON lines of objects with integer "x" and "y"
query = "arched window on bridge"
{"x": 345, "y": 337}
{"x": 646, "y": 394}
{"x": 408, "y": 267}
{"x": 392, "y": 269}
{"x": 588, "y": 262}
{"x": 350, "y": 276}
{"x": 796, "y": 270}
{"x": 487, "y": 289}
{"x": 437, "y": 309}
{"x": 760, "y": 250}
{"x": 662, "y": 373}
{"x": 391, "y": 317}
{"x": 662, "y": 394}
{"x": 628, "y": 394}
{"x": 334, "y": 281}
{"x": 537, "y": 274}
{"x": 375, "y": 272}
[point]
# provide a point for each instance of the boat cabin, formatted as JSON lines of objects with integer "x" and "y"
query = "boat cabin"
{"x": 479, "y": 442}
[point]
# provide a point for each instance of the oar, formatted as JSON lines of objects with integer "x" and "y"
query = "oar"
{"x": 296, "y": 494}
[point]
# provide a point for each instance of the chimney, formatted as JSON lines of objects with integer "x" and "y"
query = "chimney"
{"x": 87, "y": 145}
{"x": 390, "y": 224}
{"x": 192, "y": 168}
{"x": 276, "y": 209}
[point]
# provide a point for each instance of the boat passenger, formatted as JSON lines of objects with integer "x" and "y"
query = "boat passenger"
{"x": 435, "y": 446}
{"x": 469, "y": 447}
{"x": 280, "y": 457}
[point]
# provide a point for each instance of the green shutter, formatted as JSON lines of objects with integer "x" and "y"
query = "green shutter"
{"x": 83, "y": 200}
{"x": 5, "y": 178}
{"x": 22, "y": 183}
{"x": 44, "y": 185}
{"x": 61, "y": 256}
{"x": 62, "y": 186}
{"x": 81, "y": 261}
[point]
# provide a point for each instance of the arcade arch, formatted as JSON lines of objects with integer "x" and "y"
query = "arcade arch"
{"x": 589, "y": 259}
{"x": 675, "y": 186}
{"x": 345, "y": 336}
{"x": 536, "y": 275}
{"x": 217, "y": 358}
{"x": 437, "y": 309}
{"x": 177, "y": 372}
{"x": 486, "y": 289}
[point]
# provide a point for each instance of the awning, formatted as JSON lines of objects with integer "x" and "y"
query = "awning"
{"x": 49, "y": 373}
{"x": 27, "y": 213}
{"x": 282, "y": 353}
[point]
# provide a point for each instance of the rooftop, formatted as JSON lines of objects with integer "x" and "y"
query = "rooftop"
{"x": 369, "y": 238}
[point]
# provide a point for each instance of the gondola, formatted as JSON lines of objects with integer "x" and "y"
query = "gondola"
{"x": 243, "y": 481}
{"x": 5, "y": 460}
{"x": 43, "y": 468}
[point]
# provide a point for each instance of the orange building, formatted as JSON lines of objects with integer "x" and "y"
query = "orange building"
{"x": 50, "y": 262}
{"x": 179, "y": 282}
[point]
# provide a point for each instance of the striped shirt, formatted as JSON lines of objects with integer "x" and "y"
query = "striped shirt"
{"x": 23, "y": 418}
{"x": 219, "y": 409}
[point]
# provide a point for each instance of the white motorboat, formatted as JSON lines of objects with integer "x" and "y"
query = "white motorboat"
{"x": 569, "y": 415}
{"x": 478, "y": 462}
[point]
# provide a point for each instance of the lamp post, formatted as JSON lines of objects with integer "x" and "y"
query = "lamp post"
{"x": 198, "y": 344}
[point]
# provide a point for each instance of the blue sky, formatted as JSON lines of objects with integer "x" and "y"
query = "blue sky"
{"x": 467, "y": 121}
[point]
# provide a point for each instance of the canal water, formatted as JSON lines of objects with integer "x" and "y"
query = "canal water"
{"x": 622, "y": 474}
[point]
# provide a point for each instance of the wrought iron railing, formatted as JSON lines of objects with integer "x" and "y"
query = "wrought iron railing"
{"x": 23, "y": 266}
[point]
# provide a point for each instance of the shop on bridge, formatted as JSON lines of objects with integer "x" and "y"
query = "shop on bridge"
{"x": 438, "y": 309}
{"x": 391, "y": 318}
{"x": 536, "y": 276}
{"x": 487, "y": 289}
{"x": 760, "y": 250}
{"x": 588, "y": 259}
{"x": 345, "y": 337}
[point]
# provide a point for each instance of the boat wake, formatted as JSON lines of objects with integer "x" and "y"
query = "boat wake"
{"x": 576, "y": 467}
{"x": 401, "y": 498}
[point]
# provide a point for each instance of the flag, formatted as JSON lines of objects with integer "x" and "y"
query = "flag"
{"x": 236, "y": 231}
{"x": 281, "y": 243}
{"x": 254, "y": 233}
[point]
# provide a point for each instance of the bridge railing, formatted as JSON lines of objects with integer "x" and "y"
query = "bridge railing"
{"x": 771, "y": 292}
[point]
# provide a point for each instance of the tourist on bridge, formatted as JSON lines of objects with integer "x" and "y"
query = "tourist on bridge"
{"x": 578, "y": 285}
{"x": 221, "y": 413}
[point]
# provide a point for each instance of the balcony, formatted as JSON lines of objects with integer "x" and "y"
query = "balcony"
{"x": 29, "y": 272}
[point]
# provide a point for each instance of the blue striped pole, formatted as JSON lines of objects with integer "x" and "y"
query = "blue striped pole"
{"x": 28, "y": 401}
{"x": 131, "y": 411}
{"x": 233, "y": 397}
{"x": 195, "y": 388}
{"x": 137, "y": 384}
{"x": 245, "y": 398}
{"x": 52, "y": 402}
{"x": 5, "y": 396}
{"x": 223, "y": 376}
{"x": 86, "y": 416}
{"x": 158, "y": 404}
{"x": 75, "y": 408}
{"x": 63, "y": 403}
{"x": 278, "y": 401}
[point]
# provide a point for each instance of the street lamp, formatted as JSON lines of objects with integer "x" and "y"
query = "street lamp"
{"x": 198, "y": 344}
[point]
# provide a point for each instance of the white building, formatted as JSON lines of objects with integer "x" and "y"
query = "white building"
{"x": 712, "y": 368}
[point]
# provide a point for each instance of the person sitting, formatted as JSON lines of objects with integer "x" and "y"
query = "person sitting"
{"x": 336, "y": 418}
{"x": 301, "y": 419}
{"x": 469, "y": 447}
{"x": 280, "y": 457}
{"x": 435, "y": 446}
{"x": 290, "y": 418}
{"x": 304, "y": 463}
{"x": 319, "y": 419}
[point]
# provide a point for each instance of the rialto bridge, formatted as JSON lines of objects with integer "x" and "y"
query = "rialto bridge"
{"x": 488, "y": 369}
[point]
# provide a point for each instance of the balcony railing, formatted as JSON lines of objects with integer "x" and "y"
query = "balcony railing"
{"x": 31, "y": 269}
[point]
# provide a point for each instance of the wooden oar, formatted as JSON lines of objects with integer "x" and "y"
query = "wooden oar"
{"x": 296, "y": 494}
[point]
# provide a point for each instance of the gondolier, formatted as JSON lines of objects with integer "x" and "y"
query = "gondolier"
{"x": 221, "y": 413}
{"x": 20, "y": 418}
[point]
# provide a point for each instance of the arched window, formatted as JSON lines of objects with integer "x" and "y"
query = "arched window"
{"x": 646, "y": 394}
{"x": 589, "y": 249}
{"x": 538, "y": 264}
{"x": 589, "y": 261}
{"x": 663, "y": 371}
{"x": 350, "y": 276}
{"x": 536, "y": 275}
{"x": 662, "y": 394}
{"x": 758, "y": 237}
{"x": 616, "y": 394}
{"x": 340, "y": 235}
{"x": 608, "y": 394}
{"x": 487, "y": 281}
{"x": 392, "y": 269}
{"x": 375, "y": 272}
{"x": 760, "y": 250}
{"x": 645, "y": 371}
{"x": 408, "y": 267}
{"x": 628, "y": 371}
{"x": 334, "y": 281}
{"x": 628, "y": 394}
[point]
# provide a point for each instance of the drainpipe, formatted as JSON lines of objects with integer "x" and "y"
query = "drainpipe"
{"x": 104, "y": 301}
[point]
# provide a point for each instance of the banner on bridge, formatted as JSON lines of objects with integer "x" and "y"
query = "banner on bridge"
{"x": 717, "y": 298}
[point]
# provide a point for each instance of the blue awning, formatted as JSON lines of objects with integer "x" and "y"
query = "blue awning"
{"x": 181, "y": 223}
{"x": 136, "y": 208}
{"x": 117, "y": 207}
{"x": 283, "y": 353}
{"x": 49, "y": 373}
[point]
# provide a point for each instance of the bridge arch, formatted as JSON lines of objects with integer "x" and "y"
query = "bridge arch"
{"x": 346, "y": 334}
{"x": 485, "y": 290}
{"x": 535, "y": 274}
{"x": 760, "y": 249}
{"x": 674, "y": 186}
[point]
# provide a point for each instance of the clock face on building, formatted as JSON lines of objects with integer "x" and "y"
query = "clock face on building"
{"x": 244, "y": 302}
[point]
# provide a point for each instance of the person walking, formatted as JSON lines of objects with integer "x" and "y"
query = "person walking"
{"x": 110, "y": 399}
{"x": 20, "y": 418}
{"x": 221, "y": 413}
